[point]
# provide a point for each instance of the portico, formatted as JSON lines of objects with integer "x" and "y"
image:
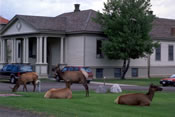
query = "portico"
{"x": 31, "y": 49}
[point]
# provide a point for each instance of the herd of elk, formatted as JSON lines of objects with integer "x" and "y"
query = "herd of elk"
{"x": 24, "y": 79}
{"x": 138, "y": 99}
{"x": 73, "y": 77}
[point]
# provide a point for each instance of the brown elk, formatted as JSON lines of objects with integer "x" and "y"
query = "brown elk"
{"x": 138, "y": 99}
{"x": 24, "y": 79}
{"x": 73, "y": 77}
{"x": 59, "y": 93}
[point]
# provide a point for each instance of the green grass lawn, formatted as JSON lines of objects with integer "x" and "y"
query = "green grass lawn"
{"x": 139, "y": 81}
{"x": 97, "y": 105}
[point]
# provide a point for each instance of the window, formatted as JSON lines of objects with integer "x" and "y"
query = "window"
{"x": 117, "y": 72}
{"x": 99, "y": 73}
{"x": 98, "y": 49}
{"x": 134, "y": 72}
{"x": 158, "y": 53}
{"x": 170, "y": 52}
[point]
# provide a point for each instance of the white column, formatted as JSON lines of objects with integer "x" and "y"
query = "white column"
{"x": 62, "y": 49}
{"x": 41, "y": 50}
{"x": 27, "y": 50}
{"x": 3, "y": 50}
{"x": 0, "y": 50}
{"x": 14, "y": 51}
{"x": 37, "y": 50}
{"x": 24, "y": 50}
{"x": 45, "y": 50}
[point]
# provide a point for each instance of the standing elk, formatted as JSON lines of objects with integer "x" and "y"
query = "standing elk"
{"x": 24, "y": 79}
{"x": 73, "y": 77}
{"x": 138, "y": 99}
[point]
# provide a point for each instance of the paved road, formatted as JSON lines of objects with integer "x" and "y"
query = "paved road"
{"x": 4, "y": 86}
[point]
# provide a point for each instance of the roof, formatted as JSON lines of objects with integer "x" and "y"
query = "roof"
{"x": 3, "y": 20}
{"x": 67, "y": 23}
{"x": 162, "y": 28}
{"x": 82, "y": 22}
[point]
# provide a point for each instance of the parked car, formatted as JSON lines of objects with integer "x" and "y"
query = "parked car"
{"x": 75, "y": 68}
{"x": 13, "y": 71}
{"x": 168, "y": 81}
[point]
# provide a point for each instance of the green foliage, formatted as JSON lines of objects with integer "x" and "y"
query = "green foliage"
{"x": 97, "y": 105}
{"x": 127, "y": 24}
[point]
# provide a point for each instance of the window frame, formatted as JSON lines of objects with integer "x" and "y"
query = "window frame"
{"x": 101, "y": 74}
{"x": 136, "y": 74}
{"x": 170, "y": 54}
{"x": 119, "y": 74}
{"x": 158, "y": 53}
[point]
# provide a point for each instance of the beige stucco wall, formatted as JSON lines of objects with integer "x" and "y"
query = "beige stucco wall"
{"x": 74, "y": 50}
{"x": 164, "y": 55}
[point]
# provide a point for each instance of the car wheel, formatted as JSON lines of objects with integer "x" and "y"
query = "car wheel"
{"x": 13, "y": 80}
{"x": 88, "y": 81}
{"x": 174, "y": 84}
{"x": 57, "y": 78}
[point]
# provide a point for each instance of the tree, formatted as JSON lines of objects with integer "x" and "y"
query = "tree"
{"x": 127, "y": 24}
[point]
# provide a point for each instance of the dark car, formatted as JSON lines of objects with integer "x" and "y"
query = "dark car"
{"x": 168, "y": 81}
{"x": 75, "y": 68}
{"x": 13, "y": 71}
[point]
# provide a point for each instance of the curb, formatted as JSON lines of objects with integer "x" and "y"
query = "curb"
{"x": 110, "y": 84}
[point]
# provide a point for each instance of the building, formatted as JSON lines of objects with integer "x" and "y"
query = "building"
{"x": 74, "y": 39}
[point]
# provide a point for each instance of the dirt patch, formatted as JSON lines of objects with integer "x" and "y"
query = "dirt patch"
{"x": 6, "y": 95}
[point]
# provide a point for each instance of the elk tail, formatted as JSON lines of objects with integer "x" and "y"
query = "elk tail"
{"x": 84, "y": 73}
{"x": 117, "y": 100}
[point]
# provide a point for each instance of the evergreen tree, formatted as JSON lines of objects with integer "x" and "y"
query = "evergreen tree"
{"x": 127, "y": 24}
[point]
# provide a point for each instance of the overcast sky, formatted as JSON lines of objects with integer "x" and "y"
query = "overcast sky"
{"x": 9, "y": 8}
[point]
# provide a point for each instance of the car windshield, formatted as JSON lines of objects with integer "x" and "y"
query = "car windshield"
{"x": 26, "y": 68}
{"x": 173, "y": 76}
{"x": 87, "y": 69}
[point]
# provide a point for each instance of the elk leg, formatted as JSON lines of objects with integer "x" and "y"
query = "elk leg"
{"x": 86, "y": 88}
{"x": 25, "y": 87}
{"x": 68, "y": 84}
{"x": 34, "y": 85}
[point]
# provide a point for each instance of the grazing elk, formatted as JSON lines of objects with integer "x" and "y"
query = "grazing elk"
{"x": 73, "y": 77}
{"x": 138, "y": 99}
{"x": 24, "y": 79}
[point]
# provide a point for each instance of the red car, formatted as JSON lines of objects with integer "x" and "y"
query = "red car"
{"x": 168, "y": 81}
{"x": 75, "y": 68}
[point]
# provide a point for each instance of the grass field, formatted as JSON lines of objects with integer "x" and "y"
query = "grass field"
{"x": 97, "y": 105}
{"x": 141, "y": 81}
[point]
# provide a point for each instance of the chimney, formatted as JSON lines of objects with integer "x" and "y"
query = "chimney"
{"x": 172, "y": 31}
{"x": 77, "y": 7}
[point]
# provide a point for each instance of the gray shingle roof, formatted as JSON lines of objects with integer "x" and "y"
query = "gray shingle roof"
{"x": 45, "y": 23}
{"x": 81, "y": 22}
{"x": 73, "y": 22}
{"x": 162, "y": 28}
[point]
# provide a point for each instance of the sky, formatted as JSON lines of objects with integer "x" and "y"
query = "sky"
{"x": 9, "y": 8}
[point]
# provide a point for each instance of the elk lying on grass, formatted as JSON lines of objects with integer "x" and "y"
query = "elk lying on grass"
{"x": 59, "y": 93}
{"x": 138, "y": 99}
{"x": 73, "y": 77}
{"x": 24, "y": 79}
